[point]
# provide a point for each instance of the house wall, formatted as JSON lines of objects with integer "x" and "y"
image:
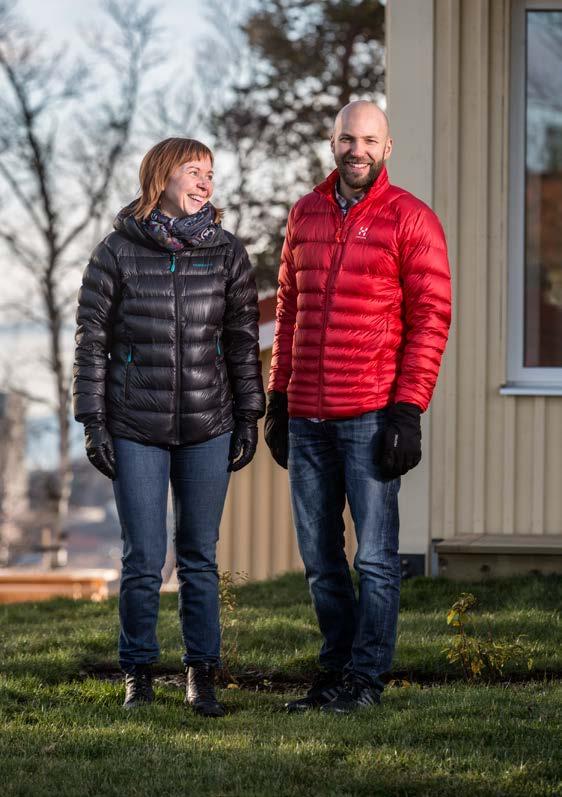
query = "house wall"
{"x": 257, "y": 536}
{"x": 410, "y": 30}
{"x": 495, "y": 460}
{"x": 492, "y": 462}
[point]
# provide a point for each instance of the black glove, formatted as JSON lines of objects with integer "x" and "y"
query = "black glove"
{"x": 99, "y": 448}
{"x": 277, "y": 426}
{"x": 402, "y": 440}
{"x": 243, "y": 444}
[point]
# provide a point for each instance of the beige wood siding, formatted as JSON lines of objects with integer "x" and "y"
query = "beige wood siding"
{"x": 496, "y": 460}
{"x": 409, "y": 52}
{"x": 257, "y": 536}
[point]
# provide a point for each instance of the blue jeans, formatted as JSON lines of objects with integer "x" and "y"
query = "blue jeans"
{"x": 199, "y": 477}
{"x": 327, "y": 462}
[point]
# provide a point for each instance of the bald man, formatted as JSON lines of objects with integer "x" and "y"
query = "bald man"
{"x": 363, "y": 312}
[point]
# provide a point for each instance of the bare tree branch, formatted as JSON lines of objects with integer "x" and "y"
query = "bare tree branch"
{"x": 136, "y": 28}
{"x": 26, "y": 257}
{"x": 62, "y": 174}
{"x": 23, "y": 311}
{"x": 39, "y": 170}
{"x": 25, "y": 202}
{"x": 32, "y": 397}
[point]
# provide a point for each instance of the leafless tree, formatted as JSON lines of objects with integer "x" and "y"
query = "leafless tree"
{"x": 296, "y": 62}
{"x": 66, "y": 132}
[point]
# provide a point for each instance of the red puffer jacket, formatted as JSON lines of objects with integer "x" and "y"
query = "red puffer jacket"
{"x": 364, "y": 303}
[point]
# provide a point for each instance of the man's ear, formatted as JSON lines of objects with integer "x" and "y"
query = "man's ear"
{"x": 332, "y": 143}
{"x": 388, "y": 149}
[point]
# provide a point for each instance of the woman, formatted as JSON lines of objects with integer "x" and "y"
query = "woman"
{"x": 167, "y": 382}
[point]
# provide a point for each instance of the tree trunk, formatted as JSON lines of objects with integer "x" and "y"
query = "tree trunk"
{"x": 63, "y": 478}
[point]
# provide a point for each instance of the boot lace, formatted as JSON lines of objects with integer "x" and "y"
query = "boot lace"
{"x": 138, "y": 685}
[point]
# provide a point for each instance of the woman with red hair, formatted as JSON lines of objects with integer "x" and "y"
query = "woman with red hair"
{"x": 167, "y": 383}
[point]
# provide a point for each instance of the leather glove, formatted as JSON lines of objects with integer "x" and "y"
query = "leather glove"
{"x": 277, "y": 426}
{"x": 402, "y": 440}
{"x": 99, "y": 448}
{"x": 243, "y": 444}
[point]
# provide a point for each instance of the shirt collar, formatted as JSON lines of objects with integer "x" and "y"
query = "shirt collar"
{"x": 345, "y": 203}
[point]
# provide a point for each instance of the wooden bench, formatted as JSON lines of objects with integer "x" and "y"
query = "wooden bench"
{"x": 40, "y": 585}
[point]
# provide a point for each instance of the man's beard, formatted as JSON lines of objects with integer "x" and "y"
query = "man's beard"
{"x": 359, "y": 180}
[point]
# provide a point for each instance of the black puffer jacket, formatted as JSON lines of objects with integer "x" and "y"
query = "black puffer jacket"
{"x": 167, "y": 344}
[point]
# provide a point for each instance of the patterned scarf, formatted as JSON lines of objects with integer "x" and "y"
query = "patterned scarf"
{"x": 177, "y": 233}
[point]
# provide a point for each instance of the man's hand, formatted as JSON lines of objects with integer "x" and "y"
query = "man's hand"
{"x": 243, "y": 444}
{"x": 402, "y": 440}
{"x": 277, "y": 426}
{"x": 99, "y": 449}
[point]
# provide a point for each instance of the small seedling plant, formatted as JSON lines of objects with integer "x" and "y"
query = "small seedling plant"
{"x": 482, "y": 659}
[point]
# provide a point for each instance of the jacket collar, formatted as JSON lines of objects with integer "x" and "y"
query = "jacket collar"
{"x": 328, "y": 186}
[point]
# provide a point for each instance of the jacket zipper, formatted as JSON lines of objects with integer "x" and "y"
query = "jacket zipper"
{"x": 129, "y": 361}
{"x": 334, "y": 268}
{"x": 178, "y": 347}
{"x": 218, "y": 366}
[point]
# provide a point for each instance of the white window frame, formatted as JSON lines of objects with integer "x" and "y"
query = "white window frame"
{"x": 521, "y": 380}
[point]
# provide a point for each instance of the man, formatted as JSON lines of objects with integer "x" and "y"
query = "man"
{"x": 363, "y": 313}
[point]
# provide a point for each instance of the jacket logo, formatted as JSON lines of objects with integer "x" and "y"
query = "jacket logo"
{"x": 362, "y": 232}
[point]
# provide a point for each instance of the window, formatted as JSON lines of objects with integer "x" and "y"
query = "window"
{"x": 535, "y": 230}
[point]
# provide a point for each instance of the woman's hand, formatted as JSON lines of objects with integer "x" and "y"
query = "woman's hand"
{"x": 99, "y": 449}
{"x": 243, "y": 444}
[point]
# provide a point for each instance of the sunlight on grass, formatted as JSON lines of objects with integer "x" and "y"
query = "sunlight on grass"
{"x": 65, "y": 733}
{"x": 455, "y": 740}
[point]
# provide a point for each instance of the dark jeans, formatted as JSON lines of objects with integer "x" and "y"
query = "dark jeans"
{"x": 327, "y": 462}
{"x": 199, "y": 477}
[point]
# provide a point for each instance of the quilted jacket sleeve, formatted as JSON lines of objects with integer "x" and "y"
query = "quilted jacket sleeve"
{"x": 97, "y": 301}
{"x": 285, "y": 316}
{"x": 241, "y": 338}
{"x": 426, "y": 285}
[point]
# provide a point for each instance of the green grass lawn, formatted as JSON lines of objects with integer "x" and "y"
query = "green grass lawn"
{"x": 63, "y": 732}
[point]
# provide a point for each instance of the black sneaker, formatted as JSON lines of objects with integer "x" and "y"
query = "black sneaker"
{"x": 138, "y": 686}
{"x": 357, "y": 693}
{"x": 326, "y": 686}
{"x": 200, "y": 691}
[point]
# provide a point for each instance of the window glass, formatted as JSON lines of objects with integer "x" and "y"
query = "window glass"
{"x": 543, "y": 190}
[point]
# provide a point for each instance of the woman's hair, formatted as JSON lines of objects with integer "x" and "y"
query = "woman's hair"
{"x": 157, "y": 166}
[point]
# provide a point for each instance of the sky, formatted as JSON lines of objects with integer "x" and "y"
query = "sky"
{"x": 186, "y": 27}
{"x": 20, "y": 346}
{"x": 61, "y": 18}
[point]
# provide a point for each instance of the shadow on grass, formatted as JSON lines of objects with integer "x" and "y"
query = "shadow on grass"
{"x": 277, "y": 635}
{"x": 422, "y": 594}
{"x": 518, "y": 592}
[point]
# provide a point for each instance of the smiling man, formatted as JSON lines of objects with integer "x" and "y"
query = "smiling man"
{"x": 363, "y": 312}
{"x": 361, "y": 144}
